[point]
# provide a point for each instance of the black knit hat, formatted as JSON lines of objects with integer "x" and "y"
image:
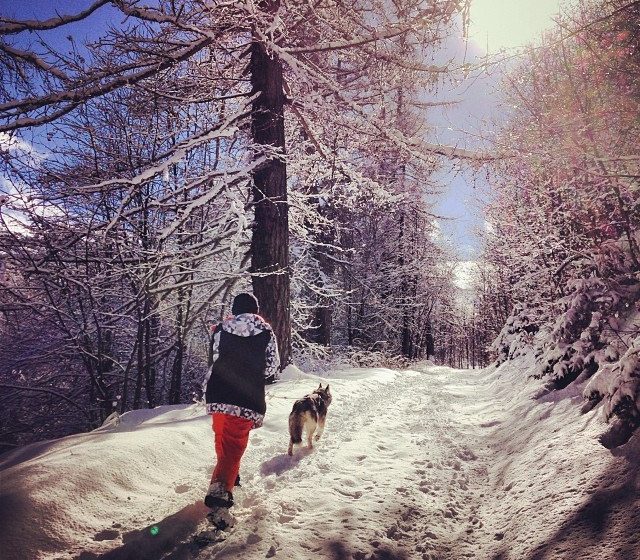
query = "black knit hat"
{"x": 244, "y": 303}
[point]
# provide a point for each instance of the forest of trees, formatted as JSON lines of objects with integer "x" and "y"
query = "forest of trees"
{"x": 192, "y": 149}
{"x": 157, "y": 160}
{"x": 561, "y": 256}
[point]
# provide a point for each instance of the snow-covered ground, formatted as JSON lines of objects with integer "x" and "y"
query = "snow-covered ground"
{"x": 431, "y": 463}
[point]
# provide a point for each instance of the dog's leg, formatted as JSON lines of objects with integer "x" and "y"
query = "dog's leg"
{"x": 311, "y": 428}
{"x": 295, "y": 431}
{"x": 321, "y": 422}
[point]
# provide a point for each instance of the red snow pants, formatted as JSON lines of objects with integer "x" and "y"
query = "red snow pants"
{"x": 231, "y": 438}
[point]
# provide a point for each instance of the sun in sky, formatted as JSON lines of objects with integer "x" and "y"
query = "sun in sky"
{"x": 507, "y": 24}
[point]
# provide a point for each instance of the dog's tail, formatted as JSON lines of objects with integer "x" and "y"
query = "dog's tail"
{"x": 295, "y": 427}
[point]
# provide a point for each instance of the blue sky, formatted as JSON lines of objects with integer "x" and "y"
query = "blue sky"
{"x": 463, "y": 125}
{"x": 501, "y": 26}
{"x": 496, "y": 24}
{"x": 44, "y": 9}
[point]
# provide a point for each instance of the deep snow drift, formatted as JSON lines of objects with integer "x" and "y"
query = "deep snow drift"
{"x": 432, "y": 463}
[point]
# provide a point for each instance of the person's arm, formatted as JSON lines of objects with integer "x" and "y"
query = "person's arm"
{"x": 272, "y": 360}
{"x": 213, "y": 355}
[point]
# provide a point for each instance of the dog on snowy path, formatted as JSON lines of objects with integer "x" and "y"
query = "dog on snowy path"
{"x": 309, "y": 413}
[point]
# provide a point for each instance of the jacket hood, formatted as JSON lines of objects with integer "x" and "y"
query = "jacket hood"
{"x": 245, "y": 324}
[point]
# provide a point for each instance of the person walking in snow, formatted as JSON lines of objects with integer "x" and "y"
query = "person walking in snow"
{"x": 245, "y": 358}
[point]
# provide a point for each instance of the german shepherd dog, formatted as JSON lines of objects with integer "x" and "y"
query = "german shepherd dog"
{"x": 309, "y": 413}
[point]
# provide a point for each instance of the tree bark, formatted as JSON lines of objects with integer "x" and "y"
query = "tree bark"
{"x": 176, "y": 372}
{"x": 270, "y": 237}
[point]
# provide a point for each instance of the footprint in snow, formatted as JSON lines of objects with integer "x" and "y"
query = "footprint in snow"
{"x": 106, "y": 535}
{"x": 466, "y": 454}
{"x": 356, "y": 494}
{"x": 490, "y": 424}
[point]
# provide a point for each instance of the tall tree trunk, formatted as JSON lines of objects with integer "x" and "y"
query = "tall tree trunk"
{"x": 176, "y": 373}
{"x": 349, "y": 286}
{"x": 176, "y": 367}
{"x": 323, "y": 321}
{"x": 405, "y": 333}
{"x": 149, "y": 371}
{"x": 430, "y": 346}
{"x": 137, "y": 395}
{"x": 270, "y": 238}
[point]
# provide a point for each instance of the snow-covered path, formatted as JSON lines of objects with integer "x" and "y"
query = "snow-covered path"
{"x": 392, "y": 475}
{"x": 431, "y": 463}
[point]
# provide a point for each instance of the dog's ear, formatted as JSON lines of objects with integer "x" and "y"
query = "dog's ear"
{"x": 327, "y": 388}
{"x": 320, "y": 387}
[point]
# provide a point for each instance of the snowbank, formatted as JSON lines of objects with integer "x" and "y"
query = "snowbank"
{"x": 553, "y": 491}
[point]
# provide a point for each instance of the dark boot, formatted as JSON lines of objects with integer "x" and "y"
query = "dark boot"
{"x": 221, "y": 518}
{"x": 218, "y": 496}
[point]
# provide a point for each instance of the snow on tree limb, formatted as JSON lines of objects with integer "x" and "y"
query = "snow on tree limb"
{"x": 35, "y": 60}
{"x": 226, "y": 129}
{"x": 82, "y": 93}
{"x": 418, "y": 147}
{"x": 10, "y": 26}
